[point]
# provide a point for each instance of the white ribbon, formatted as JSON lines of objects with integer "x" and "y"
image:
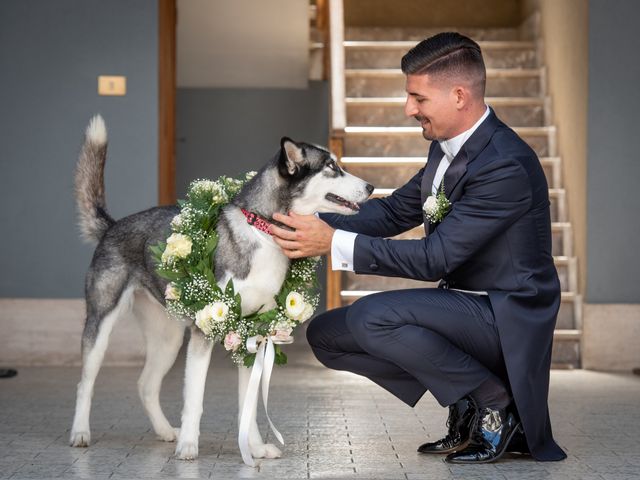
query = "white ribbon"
{"x": 262, "y": 368}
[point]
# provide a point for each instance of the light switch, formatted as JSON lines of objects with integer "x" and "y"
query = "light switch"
{"x": 112, "y": 85}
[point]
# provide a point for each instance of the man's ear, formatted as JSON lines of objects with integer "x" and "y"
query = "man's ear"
{"x": 290, "y": 156}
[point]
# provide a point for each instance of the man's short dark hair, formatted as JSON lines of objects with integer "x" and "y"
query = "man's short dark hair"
{"x": 449, "y": 55}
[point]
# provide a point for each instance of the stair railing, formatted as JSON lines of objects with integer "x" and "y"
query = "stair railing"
{"x": 338, "y": 119}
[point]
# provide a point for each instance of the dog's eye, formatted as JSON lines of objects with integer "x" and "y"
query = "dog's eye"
{"x": 333, "y": 166}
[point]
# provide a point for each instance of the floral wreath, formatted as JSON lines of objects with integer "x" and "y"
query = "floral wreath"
{"x": 186, "y": 260}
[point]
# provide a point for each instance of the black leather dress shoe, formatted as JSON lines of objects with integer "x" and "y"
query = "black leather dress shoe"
{"x": 461, "y": 415}
{"x": 492, "y": 432}
{"x": 518, "y": 444}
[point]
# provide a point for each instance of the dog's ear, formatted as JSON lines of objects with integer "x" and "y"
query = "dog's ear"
{"x": 291, "y": 156}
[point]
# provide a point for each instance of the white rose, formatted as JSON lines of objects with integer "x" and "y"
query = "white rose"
{"x": 307, "y": 313}
{"x": 204, "y": 319}
{"x": 430, "y": 205}
{"x": 178, "y": 246}
{"x": 295, "y": 305}
{"x": 219, "y": 311}
{"x": 172, "y": 292}
{"x": 232, "y": 341}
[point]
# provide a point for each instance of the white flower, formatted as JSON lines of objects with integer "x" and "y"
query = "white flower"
{"x": 172, "y": 292}
{"x": 250, "y": 174}
{"x": 297, "y": 308}
{"x": 295, "y": 305}
{"x": 430, "y": 206}
{"x": 213, "y": 312}
{"x": 232, "y": 341}
{"x": 307, "y": 313}
{"x": 178, "y": 246}
{"x": 176, "y": 222}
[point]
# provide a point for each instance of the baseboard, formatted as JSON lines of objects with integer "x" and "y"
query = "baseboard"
{"x": 36, "y": 332}
{"x": 611, "y": 337}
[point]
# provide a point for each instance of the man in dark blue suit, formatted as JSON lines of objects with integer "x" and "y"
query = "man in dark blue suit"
{"x": 481, "y": 342}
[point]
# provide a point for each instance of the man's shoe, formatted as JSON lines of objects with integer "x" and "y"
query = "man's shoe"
{"x": 518, "y": 444}
{"x": 459, "y": 422}
{"x": 492, "y": 432}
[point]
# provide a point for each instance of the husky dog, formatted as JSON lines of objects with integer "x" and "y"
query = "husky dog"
{"x": 302, "y": 178}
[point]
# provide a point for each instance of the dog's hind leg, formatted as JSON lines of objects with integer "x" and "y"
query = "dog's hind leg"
{"x": 195, "y": 377}
{"x": 163, "y": 337}
{"x": 101, "y": 317}
{"x": 258, "y": 448}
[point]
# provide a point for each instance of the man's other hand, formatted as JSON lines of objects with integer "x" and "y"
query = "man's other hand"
{"x": 311, "y": 236}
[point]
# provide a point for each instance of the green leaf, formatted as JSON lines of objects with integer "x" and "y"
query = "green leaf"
{"x": 281, "y": 357}
{"x": 212, "y": 243}
{"x": 229, "y": 291}
{"x": 249, "y": 360}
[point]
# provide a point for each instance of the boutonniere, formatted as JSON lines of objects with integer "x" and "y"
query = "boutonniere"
{"x": 437, "y": 206}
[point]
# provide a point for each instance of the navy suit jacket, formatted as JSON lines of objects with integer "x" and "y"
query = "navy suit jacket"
{"x": 495, "y": 238}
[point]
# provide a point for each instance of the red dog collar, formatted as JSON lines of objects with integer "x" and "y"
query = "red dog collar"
{"x": 256, "y": 221}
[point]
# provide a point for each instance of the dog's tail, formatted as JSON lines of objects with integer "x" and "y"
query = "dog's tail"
{"x": 93, "y": 219}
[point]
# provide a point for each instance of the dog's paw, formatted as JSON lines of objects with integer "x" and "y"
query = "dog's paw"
{"x": 265, "y": 450}
{"x": 170, "y": 435}
{"x": 80, "y": 439}
{"x": 187, "y": 450}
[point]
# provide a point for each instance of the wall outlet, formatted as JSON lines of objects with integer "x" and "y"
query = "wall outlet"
{"x": 112, "y": 85}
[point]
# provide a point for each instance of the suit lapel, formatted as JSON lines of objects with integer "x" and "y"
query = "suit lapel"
{"x": 470, "y": 150}
{"x": 433, "y": 161}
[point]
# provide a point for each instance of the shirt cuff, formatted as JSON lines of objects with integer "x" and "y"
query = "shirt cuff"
{"x": 342, "y": 244}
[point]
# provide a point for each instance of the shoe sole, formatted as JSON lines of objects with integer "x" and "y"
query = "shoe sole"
{"x": 497, "y": 457}
{"x": 446, "y": 452}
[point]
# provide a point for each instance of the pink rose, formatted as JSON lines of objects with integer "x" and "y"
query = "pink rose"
{"x": 232, "y": 341}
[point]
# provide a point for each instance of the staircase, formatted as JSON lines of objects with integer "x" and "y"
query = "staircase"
{"x": 376, "y": 142}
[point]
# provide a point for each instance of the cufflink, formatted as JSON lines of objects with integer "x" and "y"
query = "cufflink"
{"x": 373, "y": 267}
{"x": 345, "y": 265}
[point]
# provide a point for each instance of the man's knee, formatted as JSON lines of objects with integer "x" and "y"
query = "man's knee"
{"x": 325, "y": 328}
{"x": 314, "y": 331}
{"x": 369, "y": 320}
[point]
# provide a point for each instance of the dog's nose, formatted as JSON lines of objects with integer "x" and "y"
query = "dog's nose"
{"x": 370, "y": 188}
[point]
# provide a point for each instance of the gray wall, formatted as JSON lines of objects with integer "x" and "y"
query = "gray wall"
{"x": 51, "y": 53}
{"x": 232, "y": 131}
{"x": 613, "y": 202}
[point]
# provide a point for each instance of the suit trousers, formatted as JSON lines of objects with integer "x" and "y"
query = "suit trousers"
{"x": 413, "y": 341}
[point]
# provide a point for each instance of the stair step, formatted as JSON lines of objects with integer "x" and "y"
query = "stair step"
{"x": 565, "y": 353}
{"x": 417, "y": 34}
{"x": 378, "y": 82}
{"x": 388, "y": 53}
{"x": 389, "y": 111}
{"x": 363, "y": 141}
{"x": 395, "y": 171}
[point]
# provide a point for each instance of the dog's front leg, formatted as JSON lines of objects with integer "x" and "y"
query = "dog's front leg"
{"x": 195, "y": 376}
{"x": 258, "y": 448}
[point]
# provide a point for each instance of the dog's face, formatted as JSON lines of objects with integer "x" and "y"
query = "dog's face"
{"x": 318, "y": 182}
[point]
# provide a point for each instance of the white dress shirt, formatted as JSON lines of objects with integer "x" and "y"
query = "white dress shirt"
{"x": 342, "y": 243}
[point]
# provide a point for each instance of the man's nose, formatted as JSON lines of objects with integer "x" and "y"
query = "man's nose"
{"x": 410, "y": 108}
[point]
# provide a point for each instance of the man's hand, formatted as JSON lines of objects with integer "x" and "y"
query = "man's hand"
{"x": 311, "y": 237}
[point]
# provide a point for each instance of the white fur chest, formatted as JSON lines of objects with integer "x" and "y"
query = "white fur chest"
{"x": 268, "y": 270}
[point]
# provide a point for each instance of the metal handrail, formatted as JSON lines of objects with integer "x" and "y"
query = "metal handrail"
{"x": 336, "y": 45}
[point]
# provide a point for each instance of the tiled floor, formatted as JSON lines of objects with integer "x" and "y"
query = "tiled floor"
{"x": 336, "y": 425}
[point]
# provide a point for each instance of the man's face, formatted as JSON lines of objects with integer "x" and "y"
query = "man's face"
{"x": 432, "y": 101}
